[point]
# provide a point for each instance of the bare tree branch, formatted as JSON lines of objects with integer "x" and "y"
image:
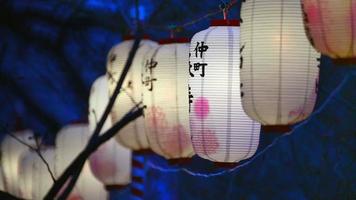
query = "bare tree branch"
{"x": 38, "y": 152}
{"x": 74, "y": 169}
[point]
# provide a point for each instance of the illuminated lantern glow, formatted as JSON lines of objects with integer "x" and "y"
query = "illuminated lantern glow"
{"x": 70, "y": 141}
{"x": 12, "y": 151}
{"x": 330, "y": 27}
{"x": 221, "y": 131}
{"x": 2, "y": 187}
{"x": 279, "y": 74}
{"x": 34, "y": 178}
{"x": 165, "y": 78}
{"x": 25, "y": 173}
{"x": 133, "y": 135}
{"x": 111, "y": 163}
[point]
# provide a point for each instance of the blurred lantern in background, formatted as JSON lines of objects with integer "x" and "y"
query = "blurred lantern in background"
{"x": 34, "y": 176}
{"x": 279, "y": 68}
{"x": 2, "y": 186}
{"x": 25, "y": 173}
{"x": 221, "y": 131}
{"x": 165, "y": 82}
{"x": 133, "y": 135}
{"x": 111, "y": 163}
{"x": 330, "y": 27}
{"x": 70, "y": 141}
{"x": 11, "y": 152}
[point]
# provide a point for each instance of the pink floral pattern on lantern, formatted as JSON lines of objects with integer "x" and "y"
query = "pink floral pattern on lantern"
{"x": 297, "y": 113}
{"x": 103, "y": 166}
{"x": 201, "y": 107}
{"x": 156, "y": 119}
{"x": 205, "y": 142}
{"x": 173, "y": 140}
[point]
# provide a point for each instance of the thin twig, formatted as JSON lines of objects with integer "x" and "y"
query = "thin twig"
{"x": 77, "y": 163}
{"x": 73, "y": 171}
{"x": 38, "y": 152}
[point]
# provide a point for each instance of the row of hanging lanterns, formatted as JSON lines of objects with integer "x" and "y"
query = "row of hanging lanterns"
{"x": 26, "y": 175}
{"x": 208, "y": 95}
{"x": 215, "y": 100}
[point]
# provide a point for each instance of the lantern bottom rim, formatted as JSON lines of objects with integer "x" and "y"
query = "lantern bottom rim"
{"x": 344, "y": 61}
{"x": 115, "y": 187}
{"x": 276, "y": 128}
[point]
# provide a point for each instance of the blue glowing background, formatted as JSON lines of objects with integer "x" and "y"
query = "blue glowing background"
{"x": 52, "y": 51}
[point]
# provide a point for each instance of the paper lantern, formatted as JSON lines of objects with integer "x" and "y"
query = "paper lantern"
{"x": 279, "y": 74}
{"x": 132, "y": 135}
{"x": 329, "y": 25}
{"x": 165, "y": 78}
{"x": 111, "y": 163}
{"x": 12, "y": 151}
{"x": 2, "y": 186}
{"x": 70, "y": 141}
{"x": 25, "y": 173}
{"x": 221, "y": 131}
{"x": 34, "y": 178}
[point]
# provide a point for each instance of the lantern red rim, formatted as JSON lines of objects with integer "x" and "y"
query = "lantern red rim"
{"x": 225, "y": 22}
{"x": 174, "y": 40}
{"x": 132, "y": 37}
{"x": 276, "y": 129}
{"x": 79, "y": 121}
{"x": 115, "y": 187}
{"x": 345, "y": 61}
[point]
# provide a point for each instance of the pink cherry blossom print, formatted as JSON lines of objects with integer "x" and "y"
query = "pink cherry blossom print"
{"x": 205, "y": 142}
{"x": 103, "y": 166}
{"x": 175, "y": 140}
{"x": 156, "y": 119}
{"x": 201, "y": 108}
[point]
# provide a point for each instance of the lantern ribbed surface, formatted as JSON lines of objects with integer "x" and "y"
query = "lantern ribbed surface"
{"x": 221, "y": 131}
{"x": 279, "y": 74}
{"x": 165, "y": 78}
{"x": 11, "y": 152}
{"x": 25, "y": 173}
{"x": 132, "y": 135}
{"x": 41, "y": 179}
{"x": 331, "y": 26}
{"x": 111, "y": 163}
{"x": 70, "y": 141}
{"x": 2, "y": 186}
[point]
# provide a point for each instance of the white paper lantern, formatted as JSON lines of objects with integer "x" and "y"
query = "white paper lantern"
{"x": 2, "y": 186}
{"x": 12, "y": 151}
{"x": 70, "y": 141}
{"x": 330, "y": 27}
{"x": 165, "y": 78}
{"x": 221, "y": 131}
{"x": 132, "y": 135}
{"x": 111, "y": 163}
{"x": 25, "y": 173}
{"x": 279, "y": 74}
{"x": 34, "y": 178}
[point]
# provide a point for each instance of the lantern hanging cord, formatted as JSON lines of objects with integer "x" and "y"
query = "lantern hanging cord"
{"x": 225, "y": 8}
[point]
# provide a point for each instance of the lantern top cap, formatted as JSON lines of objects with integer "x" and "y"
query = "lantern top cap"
{"x": 132, "y": 37}
{"x": 225, "y": 22}
{"x": 174, "y": 40}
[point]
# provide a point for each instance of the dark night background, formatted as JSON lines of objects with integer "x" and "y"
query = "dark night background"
{"x": 52, "y": 51}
